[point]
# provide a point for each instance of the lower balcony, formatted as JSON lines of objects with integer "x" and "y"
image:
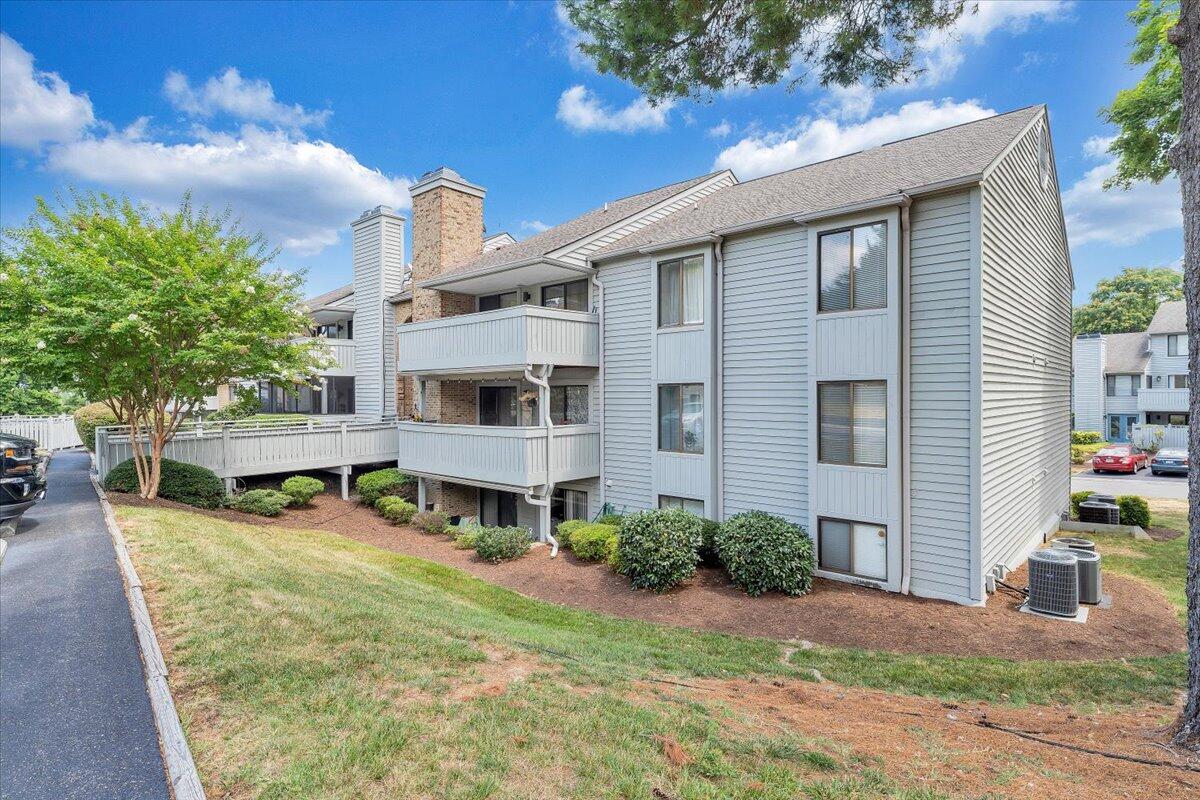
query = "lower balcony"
{"x": 1162, "y": 400}
{"x": 499, "y": 456}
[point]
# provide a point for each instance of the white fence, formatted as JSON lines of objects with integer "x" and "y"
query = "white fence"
{"x": 52, "y": 433}
{"x": 1155, "y": 437}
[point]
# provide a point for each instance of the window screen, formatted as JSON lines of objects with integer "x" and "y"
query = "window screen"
{"x": 852, "y": 418}
{"x": 569, "y": 405}
{"x": 853, "y": 268}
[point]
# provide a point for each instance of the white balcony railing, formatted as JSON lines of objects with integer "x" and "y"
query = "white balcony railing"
{"x": 1162, "y": 400}
{"x": 502, "y": 456}
{"x": 492, "y": 340}
{"x": 341, "y": 349}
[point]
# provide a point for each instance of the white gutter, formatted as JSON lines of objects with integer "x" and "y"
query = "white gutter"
{"x": 598, "y": 402}
{"x": 543, "y": 384}
{"x": 905, "y": 397}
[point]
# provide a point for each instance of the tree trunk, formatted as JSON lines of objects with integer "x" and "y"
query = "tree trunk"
{"x": 1185, "y": 158}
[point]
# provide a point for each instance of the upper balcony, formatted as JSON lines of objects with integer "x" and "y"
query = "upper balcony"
{"x": 341, "y": 349}
{"x": 499, "y": 341}
{"x": 1162, "y": 400}
{"x": 499, "y": 456}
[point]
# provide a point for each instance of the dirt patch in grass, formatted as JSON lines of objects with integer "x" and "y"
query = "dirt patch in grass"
{"x": 1163, "y": 534}
{"x": 1139, "y": 623}
{"x": 942, "y": 747}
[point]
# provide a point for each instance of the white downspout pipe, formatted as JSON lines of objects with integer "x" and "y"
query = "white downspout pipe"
{"x": 905, "y": 398}
{"x": 598, "y": 401}
{"x": 718, "y": 376}
{"x": 543, "y": 384}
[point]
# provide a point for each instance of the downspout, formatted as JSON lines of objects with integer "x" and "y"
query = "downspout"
{"x": 598, "y": 401}
{"x": 719, "y": 376}
{"x": 543, "y": 384}
{"x": 905, "y": 397}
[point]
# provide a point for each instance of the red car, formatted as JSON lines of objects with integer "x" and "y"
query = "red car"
{"x": 1120, "y": 458}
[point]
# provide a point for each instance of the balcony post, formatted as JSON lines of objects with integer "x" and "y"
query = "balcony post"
{"x": 421, "y": 492}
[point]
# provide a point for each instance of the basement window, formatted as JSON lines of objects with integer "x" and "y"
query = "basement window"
{"x": 852, "y": 548}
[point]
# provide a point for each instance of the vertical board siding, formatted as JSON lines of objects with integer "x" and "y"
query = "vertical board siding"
{"x": 627, "y": 384}
{"x": 940, "y": 458}
{"x": 852, "y": 492}
{"x": 859, "y": 345}
{"x": 368, "y": 317}
{"x": 1025, "y": 299}
{"x": 764, "y": 380}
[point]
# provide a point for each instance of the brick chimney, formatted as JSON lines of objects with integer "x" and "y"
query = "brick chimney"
{"x": 447, "y": 219}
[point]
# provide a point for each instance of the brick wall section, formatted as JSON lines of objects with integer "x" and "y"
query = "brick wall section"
{"x": 453, "y": 498}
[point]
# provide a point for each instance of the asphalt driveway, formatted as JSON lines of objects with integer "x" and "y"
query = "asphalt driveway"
{"x": 1143, "y": 484}
{"x": 75, "y": 720}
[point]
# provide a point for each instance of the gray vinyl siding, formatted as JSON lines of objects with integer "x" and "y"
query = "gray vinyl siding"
{"x": 1163, "y": 364}
{"x": 764, "y": 386}
{"x": 368, "y": 318}
{"x": 1088, "y": 400}
{"x": 627, "y": 384}
{"x": 1025, "y": 331}
{"x": 940, "y": 454}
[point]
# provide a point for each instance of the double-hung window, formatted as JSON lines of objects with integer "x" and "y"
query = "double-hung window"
{"x": 681, "y": 292}
{"x": 1177, "y": 344}
{"x": 569, "y": 405}
{"x": 571, "y": 296}
{"x": 853, "y": 423}
{"x": 681, "y": 417}
{"x": 686, "y": 503}
{"x": 852, "y": 267}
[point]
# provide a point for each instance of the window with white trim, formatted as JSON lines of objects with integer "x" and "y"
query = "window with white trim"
{"x": 1177, "y": 344}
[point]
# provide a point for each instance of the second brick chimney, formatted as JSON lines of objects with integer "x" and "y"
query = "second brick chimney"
{"x": 447, "y": 229}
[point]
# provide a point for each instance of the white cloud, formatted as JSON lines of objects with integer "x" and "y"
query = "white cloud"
{"x": 945, "y": 50}
{"x": 229, "y": 93}
{"x": 1118, "y": 217}
{"x": 37, "y": 106}
{"x": 812, "y": 140}
{"x": 302, "y": 194}
{"x": 581, "y": 110}
{"x": 849, "y": 102}
{"x": 535, "y": 225}
{"x": 720, "y": 130}
{"x": 1097, "y": 146}
{"x": 571, "y": 37}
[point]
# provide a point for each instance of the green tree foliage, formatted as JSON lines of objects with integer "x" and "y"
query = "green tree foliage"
{"x": 1127, "y": 302}
{"x": 20, "y": 395}
{"x": 680, "y": 48}
{"x": 149, "y": 310}
{"x": 1147, "y": 114}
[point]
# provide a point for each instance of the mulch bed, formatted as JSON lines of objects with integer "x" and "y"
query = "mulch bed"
{"x": 1140, "y": 622}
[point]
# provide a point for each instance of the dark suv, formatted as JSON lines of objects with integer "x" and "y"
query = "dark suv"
{"x": 22, "y": 475}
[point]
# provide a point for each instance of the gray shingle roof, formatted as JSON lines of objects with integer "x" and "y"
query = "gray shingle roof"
{"x": 946, "y": 155}
{"x": 1171, "y": 317}
{"x": 573, "y": 230}
{"x": 330, "y": 297}
{"x": 1126, "y": 353}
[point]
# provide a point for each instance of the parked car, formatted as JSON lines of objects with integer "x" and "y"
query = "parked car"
{"x": 22, "y": 475}
{"x": 1169, "y": 462}
{"x": 1120, "y": 458}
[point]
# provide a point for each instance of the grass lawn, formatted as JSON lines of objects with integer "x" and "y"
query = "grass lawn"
{"x": 309, "y": 665}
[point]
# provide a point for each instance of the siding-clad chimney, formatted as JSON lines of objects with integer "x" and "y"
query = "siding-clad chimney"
{"x": 378, "y": 255}
{"x": 447, "y": 213}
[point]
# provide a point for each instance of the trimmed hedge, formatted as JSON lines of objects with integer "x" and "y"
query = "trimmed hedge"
{"x": 466, "y": 540}
{"x": 1086, "y": 437}
{"x": 396, "y": 509}
{"x": 595, "y": 541}
{"x": 430, "y": 521}
{"x": 264, "y": 502}
{"x": 90, "y": 417}
{"x": 1134, "y": 510}
{"x": 382, "y": 482}
{"x": 566, "y": 530}
{"x": 1076, "y": 499}
{"x": 658, "y": 549}
{"x": 501, "y": 544}
{"x": 303, "y": 488}
{"x": 1080, "y": 453}
{"x": 183, "y": 483}
{"x": 765, "y": 553}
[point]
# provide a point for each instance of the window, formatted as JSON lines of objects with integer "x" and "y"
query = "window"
{"x": 497, "y": 508}
{"x": 335, "y": 330}
{"x": 567, "y": 504}
{"x": 852, "y": 268}
{"x": 1044, "y": 155}
{"x": 1110, "y": 385}
{"x": 337, "y": 397}
{"x": 681, "y": 292}
{"x": 1121, "y": 385}
{"x": 681, "y": 417}
{"x": 1179, "y": 381}
{"x": 571, "y": 296}
{"x": 494, "y": 302}
{"x": 855, "y": 548}
{"x": 853, "y": 423}
{"x": 1177, "y": 344}
{"x": 686, "y": 503}
{"x": 569, "y": 405}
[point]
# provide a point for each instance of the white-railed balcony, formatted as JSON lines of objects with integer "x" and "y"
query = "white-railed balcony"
{"x": 342, "y": 351}
{"x": 499, "y": 456}
{"x": 501, "y": 340}
{"x": 1162, "y": 400}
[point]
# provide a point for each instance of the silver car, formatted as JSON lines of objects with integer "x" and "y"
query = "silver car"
{"x": 1169, "y": 462}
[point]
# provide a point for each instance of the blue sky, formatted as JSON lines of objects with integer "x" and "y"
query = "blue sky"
{"x": 300, "y": 116}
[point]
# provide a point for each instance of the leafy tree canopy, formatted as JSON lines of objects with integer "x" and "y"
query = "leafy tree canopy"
{"x": 19, "y": 395}
{"x": 680, "y": 48}
{"x": 1127, "y": 302}
{"x": 1147, "y": 114}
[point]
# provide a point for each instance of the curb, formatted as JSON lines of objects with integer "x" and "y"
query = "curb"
{"x": 181, "y": 769}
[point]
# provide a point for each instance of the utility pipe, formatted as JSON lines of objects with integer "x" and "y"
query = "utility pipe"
{"x": 905, "y": 396}
{"x": 719, "y": 377}
{"x": 598, "y": 402}
{"x": 543, "y": 384}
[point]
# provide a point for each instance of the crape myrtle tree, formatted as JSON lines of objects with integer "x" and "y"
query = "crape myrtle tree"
{"x": 1127, "y": 302}
{"x": 1158, "y": 134}
{"x": 149, "y": 311}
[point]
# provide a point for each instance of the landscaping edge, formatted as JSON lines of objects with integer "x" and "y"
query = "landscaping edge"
{"x": 177, "y": 756}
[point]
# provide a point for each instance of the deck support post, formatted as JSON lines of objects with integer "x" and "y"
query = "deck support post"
{"x": 229, "y": 485}
{"x": 345, "y": 470}
{"x": 421, "y": 494}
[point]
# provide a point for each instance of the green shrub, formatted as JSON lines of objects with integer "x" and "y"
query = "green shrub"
{"x": 264, "y": 502}
{"x": 1086, "y": 437}
{"x": 303, "y": 488}
{"x": 1134, "y": 510}
{"x": 595, "y": 541}
{"x": 610, "y": 519}
{"x": 245, "y": 403}
{"x": 90, "y": 417}
{"x": 395, "y": 509}
{"x": 430, "y": 521}
{"x": 658, "y": 549}
{"x": 373, "y": 485}
{"x": 501, "y": 544}
{"x": 566, "y": 529}
{"x": 708, "y": 541}
{"x": 766, "y": 553}
{"x": 1080, "y": 453}
{"x": 466, "y": 540}
{"x": 183, "y": 483}
{"x": 1076, "y": 499}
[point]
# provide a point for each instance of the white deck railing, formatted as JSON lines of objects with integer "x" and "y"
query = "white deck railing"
{"x": 52, "y": 433}
{"x": 1162, "y": 400}
{"x": 507, "y": 338}
{"x": 504, "y": 456}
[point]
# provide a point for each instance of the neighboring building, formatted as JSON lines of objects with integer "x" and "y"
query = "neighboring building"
{"x": 1125, "y": 379}
{"x": 877, "y": 347}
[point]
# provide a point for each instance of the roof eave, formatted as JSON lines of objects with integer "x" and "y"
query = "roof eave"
{"x": 458, "y": 277}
